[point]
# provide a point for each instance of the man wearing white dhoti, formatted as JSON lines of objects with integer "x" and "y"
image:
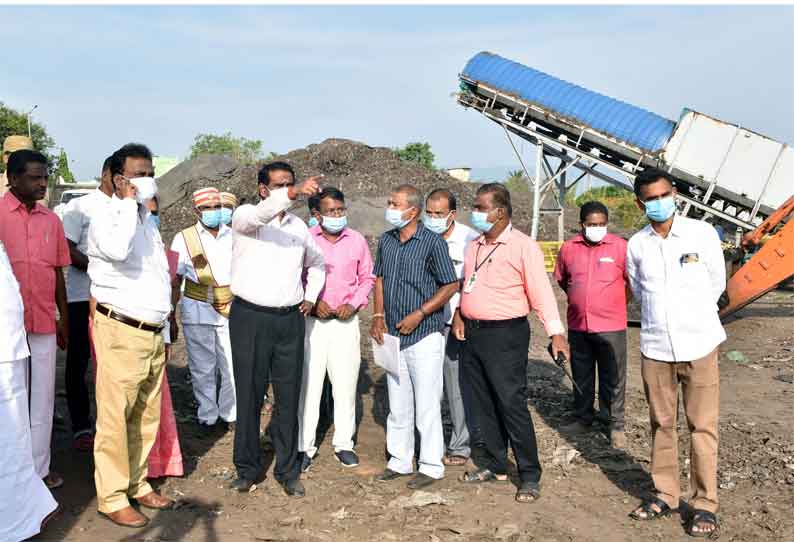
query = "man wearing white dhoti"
{"x": 25, "y": 502}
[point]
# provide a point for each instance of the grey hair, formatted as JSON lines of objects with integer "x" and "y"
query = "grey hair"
{"x": 412, "y": 194}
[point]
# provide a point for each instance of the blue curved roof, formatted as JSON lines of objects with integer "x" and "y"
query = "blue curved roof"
{"x": 617, "y": 119}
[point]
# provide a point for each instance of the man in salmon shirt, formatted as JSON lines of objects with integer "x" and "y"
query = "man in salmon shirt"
{"x": 591, "y": 269}
{"x": 37, "y": 248}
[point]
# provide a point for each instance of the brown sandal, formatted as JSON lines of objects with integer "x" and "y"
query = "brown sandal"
{"x": 454, "y": 460}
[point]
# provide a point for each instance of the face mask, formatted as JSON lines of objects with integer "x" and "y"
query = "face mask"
{"x": 595, "y": 234}
{"x": 395, "y": 217}
{"x": 226, "y": 216}
{"x": 334, "y": 224}
{"x": 211, "y": 218}
{"x": 146, "y": 188}
{"x": 436, "y": 225}
{"x": 479, "y": 221}
{"x": 155, "y": 220}
{"x": 313, "y": 222}
{"x": 659, "y": 210}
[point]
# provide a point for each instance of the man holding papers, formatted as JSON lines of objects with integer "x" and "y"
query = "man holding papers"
{"x": 415, "y": 278}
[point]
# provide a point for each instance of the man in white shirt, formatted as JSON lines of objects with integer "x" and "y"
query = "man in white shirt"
{"x": 25, "y": 502}
{"x": 132, "y": 287}
{"x": 440, "y": 217}
{"x": 271, "y": 250}
{"x": 676, "y": 269}
{"x": 205, "y": 261}
{"x": 76, "y": 219}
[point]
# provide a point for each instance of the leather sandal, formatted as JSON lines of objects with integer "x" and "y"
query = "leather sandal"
{"x": 701, "y": 518}
{"x": 646, "y": 511}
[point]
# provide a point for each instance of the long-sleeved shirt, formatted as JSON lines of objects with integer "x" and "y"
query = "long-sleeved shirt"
{"x": 678, "y": 280}
{"x": 457, "y": 242}
{"x": 14, "y": 345}
{"x": 127, "y": 263}
{"x": 348, "y": 269}
{"x": 218, "y": 251}
{"x": 594, "y": 277}
{"x": 510, "y": 281}
{"x": 269, "y": 255}
{"x": 36, "y": 246}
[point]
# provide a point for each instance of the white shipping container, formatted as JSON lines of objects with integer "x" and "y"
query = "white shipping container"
{"x": 737, "y": 161}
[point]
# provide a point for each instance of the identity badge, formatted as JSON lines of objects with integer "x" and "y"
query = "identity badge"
{"x": 469, "y": 286}
{"x": 689, "y": 257}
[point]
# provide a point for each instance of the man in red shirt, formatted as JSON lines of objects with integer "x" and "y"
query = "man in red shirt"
{"x": 591, "y": 269}
{"x": 37, "y": 249}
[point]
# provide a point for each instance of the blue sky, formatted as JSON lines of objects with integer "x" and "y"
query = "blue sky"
{"x": 291, "y": 76}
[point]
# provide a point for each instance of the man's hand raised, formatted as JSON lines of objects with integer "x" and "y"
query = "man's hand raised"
{"x": 307, "y": 188}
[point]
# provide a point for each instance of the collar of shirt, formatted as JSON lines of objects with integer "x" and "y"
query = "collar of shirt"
{"x": 13, "y": 204}
{"x": 420, "y": 233}
{"x": 608, "y": 239}
{"x": 223, "y": 231}
{"x": 503, "y": 238}
{"x": 678, "y": 229}
{"x": 317, "y": 231}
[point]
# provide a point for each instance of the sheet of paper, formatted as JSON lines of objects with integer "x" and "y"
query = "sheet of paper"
{"x": 387, "y": 355}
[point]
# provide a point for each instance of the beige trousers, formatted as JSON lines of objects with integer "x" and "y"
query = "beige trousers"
{"x": 700, "y": 386}
{"x": 130, "y": 364}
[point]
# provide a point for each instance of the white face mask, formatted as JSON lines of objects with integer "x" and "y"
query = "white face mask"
{"x": 595, "y": 234}
{"x": 146, "y": 188}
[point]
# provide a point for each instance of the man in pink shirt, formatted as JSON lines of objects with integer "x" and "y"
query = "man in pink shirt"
{"x": 332, "y": 329}
{"x": 591, "y": 269}
{"x": 503, "y": 279}
{"x": 36, "y": 246}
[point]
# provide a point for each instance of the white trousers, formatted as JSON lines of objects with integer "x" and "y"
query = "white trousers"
{"x": 209, "y": 352}
{"x": 24, "y": 499}
{"x": 40, "y": 376}
{"x": 415, "y": 400}
{"x": 332, "y": 346}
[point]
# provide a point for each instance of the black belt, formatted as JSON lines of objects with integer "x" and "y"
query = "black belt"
{"x": 110, "y": 313}
{"x": 268, "y": 310}
{"x": 495, "y": 323}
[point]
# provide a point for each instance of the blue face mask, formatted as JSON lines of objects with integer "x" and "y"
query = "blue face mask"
{"x": 334, "y": 224}
{"x": 226, "y": 216}
{"x": 313, "y": 222}
{"x": 395, "y": 217}
{"x": 211, "y": 218}
{"x": 479, "y": 221}
{"x": 436, "y": 224}
{"x": 659, "y": 210}
{"x": 155, "y": 220}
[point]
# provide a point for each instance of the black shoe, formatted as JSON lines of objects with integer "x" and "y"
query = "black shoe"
{"x": 243, "y": 485}
{"x": 389, "y": 475}
{"x": 347, "y": 458}
{"x": 294, "y": 488}
{"x": 306, "y": 462}
{"x": 420, "y": 481}
{"x": 206, "y": 429}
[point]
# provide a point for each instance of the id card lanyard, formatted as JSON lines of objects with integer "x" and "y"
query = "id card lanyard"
{"x": 469, "y": 286}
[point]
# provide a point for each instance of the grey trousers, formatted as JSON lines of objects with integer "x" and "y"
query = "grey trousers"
{"x": 459, "y": 440}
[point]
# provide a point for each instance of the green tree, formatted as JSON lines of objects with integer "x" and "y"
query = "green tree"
{"x": 246, "y": 151}
{"x": 13, "y": 122}
{"x": 417, "y": 152}
{"x": 62, "y": 168}
{"x": 516, "y": 181}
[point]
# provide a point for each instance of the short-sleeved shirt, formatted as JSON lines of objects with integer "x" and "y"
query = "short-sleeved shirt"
{"x": 412, "y": 272}
{"x": 76, "y": 219}
{"x": 595, "y": 279}
{"x": 218, "y": 251}
{"x": 36, "y": 246}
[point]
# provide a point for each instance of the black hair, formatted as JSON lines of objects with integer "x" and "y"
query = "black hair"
{"x": 328, "y": 192}
{"x": 106, "y": 164}
{"x": 18, "y": 161}
{"x": 592, "y": 207}
{"x": 650, "y": 176}
{"x": 499, "y": 194}
{"x": 264, "y": 174}
{"x": 444, "y": 193}
{"x": 130, "y": 150}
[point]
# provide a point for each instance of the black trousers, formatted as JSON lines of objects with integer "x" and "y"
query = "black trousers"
{"x": 495, "y": 366}
{"x": 605, "y": 354}
{"x": 266, "y": 345}
{"x": 78, "y": 355}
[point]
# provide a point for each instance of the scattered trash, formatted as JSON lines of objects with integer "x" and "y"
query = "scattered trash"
{"x": 340, "y": 514}
{"x": 737, "y": 357}
{"x": 418, "y": 499}
{"x": 564, "y": 456}
{"x": 292, "y": 521}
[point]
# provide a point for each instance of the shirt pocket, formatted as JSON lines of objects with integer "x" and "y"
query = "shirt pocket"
{"x": 46, "y": 247}
{"x": 694, "y": 276}
{"x": 499, "y": 277}
{"x": 607, "y": 272}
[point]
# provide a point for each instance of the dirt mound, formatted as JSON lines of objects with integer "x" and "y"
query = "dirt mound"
{"x": 365, "y": 174}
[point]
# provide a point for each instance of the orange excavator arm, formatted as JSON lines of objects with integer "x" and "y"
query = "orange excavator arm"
{"x": 771, "y": 265}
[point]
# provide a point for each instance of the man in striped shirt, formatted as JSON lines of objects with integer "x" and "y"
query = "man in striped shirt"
{"x": 415, "y": 279}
